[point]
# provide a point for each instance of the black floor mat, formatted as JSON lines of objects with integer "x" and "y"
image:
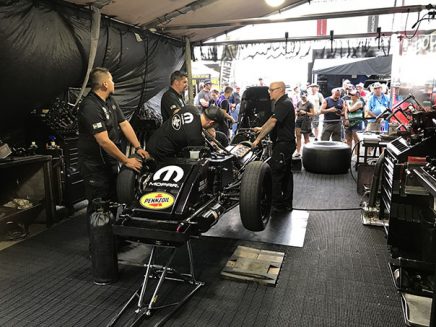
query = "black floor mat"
{"x": 339, "y": 278}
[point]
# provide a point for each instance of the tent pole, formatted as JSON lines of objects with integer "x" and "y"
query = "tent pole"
{"x": 188, "y": 61}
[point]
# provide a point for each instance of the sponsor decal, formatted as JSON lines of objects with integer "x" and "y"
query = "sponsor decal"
{"x": 202, "y": 185}
{"x": 97, "y": 125}
{"x": 187, "y": 118}
{"x": 179, "y": 120}
{"x": 176, "y": 122}
{"x": 157, "y": 200}
{"x": 159, "y": 184}
{"x": 173, "y": 173}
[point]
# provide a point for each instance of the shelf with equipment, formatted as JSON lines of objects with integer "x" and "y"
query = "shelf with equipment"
{"x": 27, "y": 180}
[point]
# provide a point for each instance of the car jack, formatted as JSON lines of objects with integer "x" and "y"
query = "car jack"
{"x": 162, "y": 273}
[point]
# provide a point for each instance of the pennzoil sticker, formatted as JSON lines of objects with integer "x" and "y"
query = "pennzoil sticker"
{"x": 156, "y": 200}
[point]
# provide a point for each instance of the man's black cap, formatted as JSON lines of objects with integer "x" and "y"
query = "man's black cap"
{"x": 214, "y": 113}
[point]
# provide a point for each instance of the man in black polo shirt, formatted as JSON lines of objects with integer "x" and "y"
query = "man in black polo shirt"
{"x": 282, "y": 126}
{"x": 183, "y": 129}
{"x": 101, "y": 126}
{"x": 172, "y": 99}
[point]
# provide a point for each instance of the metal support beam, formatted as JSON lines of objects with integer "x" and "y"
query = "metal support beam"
{"x": 307, "y": 38}
{"x": 188, "y": 63}
{"x": 294, "y": 5}
{"x": 175, "y": 13}
{"x": 256, "y": 21}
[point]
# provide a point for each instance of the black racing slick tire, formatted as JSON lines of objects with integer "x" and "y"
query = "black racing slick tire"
{"x": 126, "y": 186}
{"x": 255, "y": 196}
{"x": 327, "y": 157}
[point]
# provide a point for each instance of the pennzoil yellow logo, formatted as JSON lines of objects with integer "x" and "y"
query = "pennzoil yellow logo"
{"x": 156, "y": 200}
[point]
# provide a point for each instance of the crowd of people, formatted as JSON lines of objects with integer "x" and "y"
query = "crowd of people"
{"x": 338, "y": 117}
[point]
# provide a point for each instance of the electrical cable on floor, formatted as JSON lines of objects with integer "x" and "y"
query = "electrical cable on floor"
{"x": 329, "y": 209}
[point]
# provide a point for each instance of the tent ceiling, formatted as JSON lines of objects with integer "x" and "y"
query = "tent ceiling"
{"x": 157, "y": 14}
{"x": 354, "y": 66}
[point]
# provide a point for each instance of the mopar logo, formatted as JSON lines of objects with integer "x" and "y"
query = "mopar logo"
{"x": 159, "y": 184}
{"x": 174, "y": 173}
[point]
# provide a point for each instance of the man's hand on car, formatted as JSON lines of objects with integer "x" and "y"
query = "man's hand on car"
{"x": 144, "y": 154}
{"x": 133, "y": 163}
{"x": 255, "y": 144}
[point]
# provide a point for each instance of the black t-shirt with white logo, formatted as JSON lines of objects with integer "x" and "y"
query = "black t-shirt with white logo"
{"x": 170, "y": 102}
{"x": 181, "y": 130}
{"x": 96, "y": 115}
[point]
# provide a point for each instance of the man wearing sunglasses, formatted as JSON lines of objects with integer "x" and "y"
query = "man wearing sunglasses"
{"x": 282, "y": 127}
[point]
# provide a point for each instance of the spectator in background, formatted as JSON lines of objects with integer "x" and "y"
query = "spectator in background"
{"x": 346, "y": 85}
{"x": 172, "y": 100}
{"x": 225, "y": 84}
{"x": 295, "y": 96}
{"x": 261, "y": 83}
{"x": 332, "y": 108}
{"x": 378, "y": 102}
{"x": 224, "y": 104}
{"x": 204, "y": 95}
{"x": 236, "y": 97}
{"x": 197, "y": 91}
{"x": 234, "y": 112}
{"x": 214, "y": 96}
{"x": 353, "y": 117}
{"x": 303, "y": 124}
{"x": 361, "y": 90}
{"x": 316, "y": 98}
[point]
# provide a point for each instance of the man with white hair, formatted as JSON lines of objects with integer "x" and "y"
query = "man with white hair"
{"x": 378, "y": 101}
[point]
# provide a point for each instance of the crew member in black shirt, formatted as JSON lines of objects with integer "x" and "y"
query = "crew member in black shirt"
{"x": 172, "y": 99}
{"x": 282, "y": 126}
{"x": 183, "y": 129}
{"x": 101, "y": 126}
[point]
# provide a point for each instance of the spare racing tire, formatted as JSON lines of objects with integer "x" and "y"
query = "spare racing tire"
{"x": 255, "y": 196}
{"x": 126, "y": 184}
{"x": 326, "y": 157}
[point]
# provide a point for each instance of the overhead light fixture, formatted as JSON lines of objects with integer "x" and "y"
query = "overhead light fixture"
{"x": 274, "y": 3}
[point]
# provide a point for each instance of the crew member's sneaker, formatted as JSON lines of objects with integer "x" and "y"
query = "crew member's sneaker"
{"x": 296, "y": 155}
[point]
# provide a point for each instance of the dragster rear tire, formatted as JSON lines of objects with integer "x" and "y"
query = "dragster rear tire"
{"x": 255, "y": 196}
{"x": 126, "y": 184}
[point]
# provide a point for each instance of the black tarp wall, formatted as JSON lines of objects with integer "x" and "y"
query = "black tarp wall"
{"x": 44, "y": 47}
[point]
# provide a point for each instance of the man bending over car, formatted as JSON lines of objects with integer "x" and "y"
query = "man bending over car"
{"x": 183, "y": 129}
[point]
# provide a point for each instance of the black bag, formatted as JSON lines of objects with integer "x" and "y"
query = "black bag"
{"x": 102, "y": 243}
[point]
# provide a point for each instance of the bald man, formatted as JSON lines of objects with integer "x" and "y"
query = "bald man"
{"x": 282, "y": 127}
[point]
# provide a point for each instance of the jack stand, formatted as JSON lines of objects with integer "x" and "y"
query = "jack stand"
{"x": 144, "y": 310}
